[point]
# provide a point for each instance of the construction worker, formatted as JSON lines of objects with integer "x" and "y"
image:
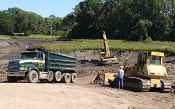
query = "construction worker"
{"x": 120, "y": 77}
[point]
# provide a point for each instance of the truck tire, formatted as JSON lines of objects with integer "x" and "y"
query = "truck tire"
{"x": 73, "y": 77}
{"x": 67, "y": 78}
{"x": 33, "y": 77}
{"x": 57, "y": 76}
{"x": 50, "y": 76}
{"x": 11, "y": 79}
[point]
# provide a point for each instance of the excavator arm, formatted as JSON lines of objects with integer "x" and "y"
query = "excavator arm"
{"x": 106, "y": 46}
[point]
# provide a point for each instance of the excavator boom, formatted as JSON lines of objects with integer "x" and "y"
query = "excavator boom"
{"x": 106, "y": 46}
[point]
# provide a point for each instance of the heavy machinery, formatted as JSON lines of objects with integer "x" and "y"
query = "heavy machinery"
{"x": 38, "y": 64}
{"x": 106, "y": 57}
{"x": 148, "y": 73}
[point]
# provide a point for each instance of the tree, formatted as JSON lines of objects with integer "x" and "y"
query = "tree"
{"x": 142, "y": 29}
{"x": 5, "y": 23}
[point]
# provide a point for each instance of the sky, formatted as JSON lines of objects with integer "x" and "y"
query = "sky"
{"x": 45, "y": 8}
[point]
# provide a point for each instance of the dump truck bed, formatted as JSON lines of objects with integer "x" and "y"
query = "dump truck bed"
{"x": 61, "y": 62}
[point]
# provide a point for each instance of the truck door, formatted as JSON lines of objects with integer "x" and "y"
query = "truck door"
{"x": 41, "y": 57}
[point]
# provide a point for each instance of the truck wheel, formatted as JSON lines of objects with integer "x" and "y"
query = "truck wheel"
{"x": 32, "y": 76}
{"x": 73, "y": 77}
{"x": 57, "y": 76}
{"x": 67, "y": 78}
{"x": 50, "y": 76}
{"x": 11, "y": 79}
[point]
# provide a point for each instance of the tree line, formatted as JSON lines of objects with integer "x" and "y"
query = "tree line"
{"x": 15, "y": 20}
{"x": 121, "y": 19}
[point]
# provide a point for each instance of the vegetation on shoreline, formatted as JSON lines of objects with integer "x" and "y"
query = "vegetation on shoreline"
{"x": 33, "y": 37}
{"x": 114, "y": 45}
{"x": 6, "y": 37}
{"x": 82, "y": 44}
{"x": 44, "y": 37}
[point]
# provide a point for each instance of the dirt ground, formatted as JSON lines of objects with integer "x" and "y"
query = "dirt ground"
{"x": 81, "y": 95}
{"x": 68, "y": 96}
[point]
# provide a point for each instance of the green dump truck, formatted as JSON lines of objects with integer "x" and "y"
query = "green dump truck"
{"x": 37, "y": 65}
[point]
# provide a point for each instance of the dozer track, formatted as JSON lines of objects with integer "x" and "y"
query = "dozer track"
{"x": 144, "y": 85}
{"x": 137, "y": 84}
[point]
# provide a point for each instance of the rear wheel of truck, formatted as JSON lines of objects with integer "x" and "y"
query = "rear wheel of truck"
{"x": 67, "y": 78}
{"x": 50, "y": 76}
{"x": 73, "y": 77}
{"x": 57, "y": 76}
{"x": 11, "y": 79}
{"x": 32, "y": 76}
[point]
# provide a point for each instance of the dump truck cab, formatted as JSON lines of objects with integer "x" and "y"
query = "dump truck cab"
{"x": 33, "y": 55}
{"x": 40, "y": 64}
{"x": 30, "y": 59}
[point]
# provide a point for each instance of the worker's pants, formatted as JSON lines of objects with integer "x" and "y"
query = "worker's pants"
{"x": 120, "y": 83}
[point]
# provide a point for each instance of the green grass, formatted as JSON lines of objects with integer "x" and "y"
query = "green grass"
{"x": 114, "y": 45}
{"x": 6, "y": 37}
{"x": 44, "y": 37}
{"x": 33, "y": 36}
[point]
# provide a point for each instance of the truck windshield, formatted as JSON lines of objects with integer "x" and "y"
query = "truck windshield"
{"x": 156, "y": 60}
{"x": 29, "y": 55}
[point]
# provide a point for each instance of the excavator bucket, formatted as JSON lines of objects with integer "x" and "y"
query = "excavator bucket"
{"x": 104, "y": 77}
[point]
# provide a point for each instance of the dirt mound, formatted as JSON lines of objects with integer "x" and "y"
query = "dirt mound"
{"x": 4, "y": 44}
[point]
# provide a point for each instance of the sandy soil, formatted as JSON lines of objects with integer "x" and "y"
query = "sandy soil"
{"x": 68, "y": 96}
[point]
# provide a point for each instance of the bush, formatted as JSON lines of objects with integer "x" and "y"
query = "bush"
{"x": 61, "y": 33}
{"x": 149, "y": 39}
{"x": 27, "y": 33}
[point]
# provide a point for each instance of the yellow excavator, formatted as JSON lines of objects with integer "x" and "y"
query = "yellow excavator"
{"x": 106, "y": 57}
{"x": 148, "y": 73}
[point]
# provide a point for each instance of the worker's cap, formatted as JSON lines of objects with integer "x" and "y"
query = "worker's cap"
{"x": 121, "y": 67}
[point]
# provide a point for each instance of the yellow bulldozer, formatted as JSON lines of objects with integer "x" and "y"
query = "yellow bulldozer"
{"x": 148, "y": 73}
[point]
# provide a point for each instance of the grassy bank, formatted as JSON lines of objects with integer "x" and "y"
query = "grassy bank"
{"x": 114, "y": 45}
{"x": 33, "y": 36}
{"x": 44, "y": 37}
{"x": 6, "y": 37}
